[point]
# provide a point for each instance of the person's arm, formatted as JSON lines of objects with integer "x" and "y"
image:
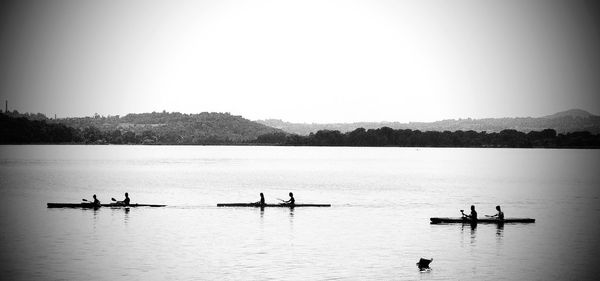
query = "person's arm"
{"x": 465, "y": 215}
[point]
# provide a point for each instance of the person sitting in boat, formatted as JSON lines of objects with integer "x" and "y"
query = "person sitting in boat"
{"x": 125, "y": 201}
{"x": 472, "y": 216}
{"x": 499, "y": 215}
{"x": 261, "y": 202}
{"x": 292, "y": 201}
{"x": 96, "y": 201}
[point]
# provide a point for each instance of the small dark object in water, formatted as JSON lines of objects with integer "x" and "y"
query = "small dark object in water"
{"x": 423, "y": 264}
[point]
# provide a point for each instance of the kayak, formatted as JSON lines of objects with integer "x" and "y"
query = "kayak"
{"x": 481, "y": 220}
{"x": 270, "y": 205}
{"x": 91, "y": 205}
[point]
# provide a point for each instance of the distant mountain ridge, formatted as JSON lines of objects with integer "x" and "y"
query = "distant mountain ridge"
{"x": 573, "y": 120}
{"x": 577, "y": 113}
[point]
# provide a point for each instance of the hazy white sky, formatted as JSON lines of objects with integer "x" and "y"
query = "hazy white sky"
{"x": 302, "y": 61}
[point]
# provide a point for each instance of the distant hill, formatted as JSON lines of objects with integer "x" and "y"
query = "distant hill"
{"x": 563, "y": 122}
{"x": 172, "y": 127}
{"x": 576, "y": 113}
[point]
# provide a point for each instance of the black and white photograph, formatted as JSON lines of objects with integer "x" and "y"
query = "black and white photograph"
{"x": 299, "y": 140}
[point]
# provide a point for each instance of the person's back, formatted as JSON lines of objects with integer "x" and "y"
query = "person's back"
{"x": 126, "y": 200}
{"x": 96, "y": 201}
{"x": 473, "y": 215}
{"x": 500, "y": 214}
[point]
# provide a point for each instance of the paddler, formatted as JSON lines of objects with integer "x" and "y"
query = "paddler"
{"x": 499, "y": 215}
{"x": 292, "y": 201}
{"x": 125, "y": 201}
{"x": 261, "y": 202}
{"x": 96, "y": 201}
{"x": 472, "y": 216}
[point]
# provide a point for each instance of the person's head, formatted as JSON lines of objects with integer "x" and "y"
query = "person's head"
{"x": 94, "y": 196}
{"x": 472, "y": 207}
{"x": 126, "y": 195}
{"x": 291, "y": 194}
{"x": 261, "y": 195}
{"x": 498, "y": 208}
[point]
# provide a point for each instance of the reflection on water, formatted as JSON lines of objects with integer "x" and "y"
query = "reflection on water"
{"x": 472, "y": 228}
{"x": 291, "y": 219}
{"x": 126, "y": 215}
{"x": 500, "y": 230}
{"x": 95, "y": 216}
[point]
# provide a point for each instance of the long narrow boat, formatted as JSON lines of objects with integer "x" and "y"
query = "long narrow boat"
{"x": 90, "y": 205}
{"x": 270, "y": 205}
{"x": 481, "y": 220}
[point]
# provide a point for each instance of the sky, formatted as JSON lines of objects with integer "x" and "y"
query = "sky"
{"x": 302, "y": 61}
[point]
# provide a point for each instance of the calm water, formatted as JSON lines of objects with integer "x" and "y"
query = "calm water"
{"x": 377, "y": 228}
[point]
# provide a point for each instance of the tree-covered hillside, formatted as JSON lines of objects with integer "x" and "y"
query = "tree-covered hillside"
{"x": 16, "y": 128}
{"x": 171, "y": 127}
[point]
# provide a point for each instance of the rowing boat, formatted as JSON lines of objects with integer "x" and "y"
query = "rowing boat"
{"x": 91, "y": 205}
{"x": 270, "y": 205}
{"x": 482, "y": 220}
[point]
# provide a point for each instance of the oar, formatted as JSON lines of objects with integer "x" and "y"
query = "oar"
{"x": 85, "y": 200}
{"x": 280, "y": 199}
{"x": 113, "y": 199}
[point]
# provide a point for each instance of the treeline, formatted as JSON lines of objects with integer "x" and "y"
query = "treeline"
{"x": 563, "y": 122}
{"x": 386, "y": 136}
{"x": 171, "y": 127}
{"x": 21, "y": 130}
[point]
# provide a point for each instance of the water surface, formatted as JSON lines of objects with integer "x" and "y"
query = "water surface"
{"x": 377, "y": 228}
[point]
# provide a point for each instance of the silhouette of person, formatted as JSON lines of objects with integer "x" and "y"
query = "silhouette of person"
{"x": 261, "y": 202}
{"x": 125, "y": 201}
{"x": 96, "y": 201}
{"x": 500, "y": 214}
{"x": 292, "y": 201}
{"x": 472, "y": 216}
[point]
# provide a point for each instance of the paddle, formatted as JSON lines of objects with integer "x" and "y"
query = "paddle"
{"x": 85, "y": 200}
{"x": 117, "y": 202}
{"x": 465, "y": 216}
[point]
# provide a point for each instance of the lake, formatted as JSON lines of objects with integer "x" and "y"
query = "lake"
{"x": 377, "y": 228}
